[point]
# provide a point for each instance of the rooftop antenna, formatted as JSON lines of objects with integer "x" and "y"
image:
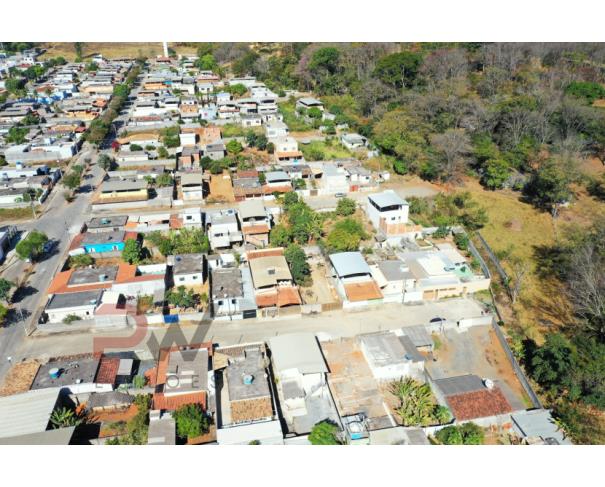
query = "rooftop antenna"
{"x": 165, "y": 44}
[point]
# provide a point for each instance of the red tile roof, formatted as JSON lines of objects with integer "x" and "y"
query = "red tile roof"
{"x": 478, "y": 404}
{"x": 108, "y": 370}
{"x": 362, "y": 291}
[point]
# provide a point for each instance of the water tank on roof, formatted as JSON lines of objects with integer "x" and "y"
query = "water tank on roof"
{"x": 54, "y": 373}
{"x": 248, "y": 379}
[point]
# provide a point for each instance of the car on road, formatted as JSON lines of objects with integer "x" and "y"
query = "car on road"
{"x": 48, "y": 246}
{"x": 340, "y": 195}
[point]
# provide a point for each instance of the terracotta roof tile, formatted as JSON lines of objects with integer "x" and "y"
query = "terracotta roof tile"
{"x": 362, "y": 291}
{"x": 478, "y": 404}
{"x": 108, "y": 370}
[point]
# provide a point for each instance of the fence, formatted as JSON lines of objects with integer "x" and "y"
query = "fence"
{"x": 516, "y": 367}
{"x": 493, "y": 258}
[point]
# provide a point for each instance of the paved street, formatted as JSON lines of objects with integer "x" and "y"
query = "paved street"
{"x": 56, "y": 221}
{"x": 333, "y": 324}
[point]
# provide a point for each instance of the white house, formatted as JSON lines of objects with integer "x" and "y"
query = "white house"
{"x": 309, "y": 102}
{"x": 276, "y": 128}
{"x": 353, "y": 141}
{"x": 333, "y": 180}
{"x": 391, "y": 357}
{"x": 301, "y": 371}
{"x": 222, "y": 228}
{"x": 81, "y": 304}
{"x": 388, "y": 213}
{"x": 188, "y": 269}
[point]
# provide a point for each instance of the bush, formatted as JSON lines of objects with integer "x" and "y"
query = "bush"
{"x": 450, "y": 435}
{"x": 132, "y": 253}
{"x": 69, "y": 319}
{"x": 234, "y": 147}
{"x": 191, "y": 421}
{"x": 346, "y": 236}
{"x": 345, "y": 207}
{"x": 135, "y": 148}
{"x": 82, "y": 260}
{"x": 466, "y": 434}
{"x": 324, "y": 433}
{"x": 297, "y": 260}
{"x": 461, "y": 241}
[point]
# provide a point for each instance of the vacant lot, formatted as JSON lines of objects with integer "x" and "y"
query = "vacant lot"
{"x": 221, "y": 189}
{"x": 478, "y": 351}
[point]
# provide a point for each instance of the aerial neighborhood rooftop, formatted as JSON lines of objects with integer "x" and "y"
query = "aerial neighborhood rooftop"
{"x": 171, "y": 195}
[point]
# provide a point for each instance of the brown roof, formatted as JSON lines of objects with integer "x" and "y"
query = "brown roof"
{"x": 108, "y": 370}
{"x": 251, "y": 409}
{"x": 478, "y": 404}
{"x": 255, "y": 229}
{"x": 362, "y": 291}
{"x": 287, "y": 296}
{"x": 161, "y": 401}
{"x": 59, "y": 284}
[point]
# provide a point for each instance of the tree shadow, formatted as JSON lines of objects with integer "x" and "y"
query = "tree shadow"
{"x": 23, "y": 292}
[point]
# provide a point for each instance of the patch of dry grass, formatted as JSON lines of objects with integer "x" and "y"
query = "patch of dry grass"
{"x": 112, "y": 49}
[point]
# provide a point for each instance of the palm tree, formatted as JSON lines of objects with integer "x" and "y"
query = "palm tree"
{"x": 415, "y": 401}
{"x": 64, "y": 417}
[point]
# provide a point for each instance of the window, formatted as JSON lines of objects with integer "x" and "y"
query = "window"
{"x": 195, "y": 278}
{"x": 181, "y": 279}
{"x": 220, "y": 303}
{"x": 233, "y": 301}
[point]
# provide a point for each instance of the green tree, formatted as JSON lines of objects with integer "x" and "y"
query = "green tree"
{"x": 586, "y": 90}
{"x": 495, "y": 173}
{"x": 182, "y": 297}
{"x": 237, "y": 89}
{"x": 207, "y": 62}
{"x": 324, "y": 433}
{"x": 81, "y": 260}
{"x": 79, "y": 48}
{"x": 345, "y": 236}
{"x": 162, "y": 152}
{"x": 31, "y": 247}
{"x": 191, "y": 421}
{"x": 416, "y": 405}
{"x": 472, "y": 434}
{"x": 280, "y": 236}
{"x": 441, "y": 414}
{"x": 346, "y": 207}
{"x": 3, "y": 314}
{"x": 16, "y": 135}
{"x": 548, "y": 187}
{"x": 450, "y": 435}
{"x": 5, "y": 287}
{"x": 132, "y": 252}
{"x": 164, "y": 179}
{"x": 71, "y": 181}
{"x": 552, "y": 363}
{"x": 398, "y": 70}
{"x": 234, "y": 147}
{"x": 314, "y": 113}
{"x": 297, "y": 260}
{"x": 105, "y": 162}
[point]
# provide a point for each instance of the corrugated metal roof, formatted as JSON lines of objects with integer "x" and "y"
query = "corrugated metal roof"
{"x": 349, "y": 263}
{"x": 297, "y": 351}
{"x": 387, "y": 198}
{"x": 27, "y": 413}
